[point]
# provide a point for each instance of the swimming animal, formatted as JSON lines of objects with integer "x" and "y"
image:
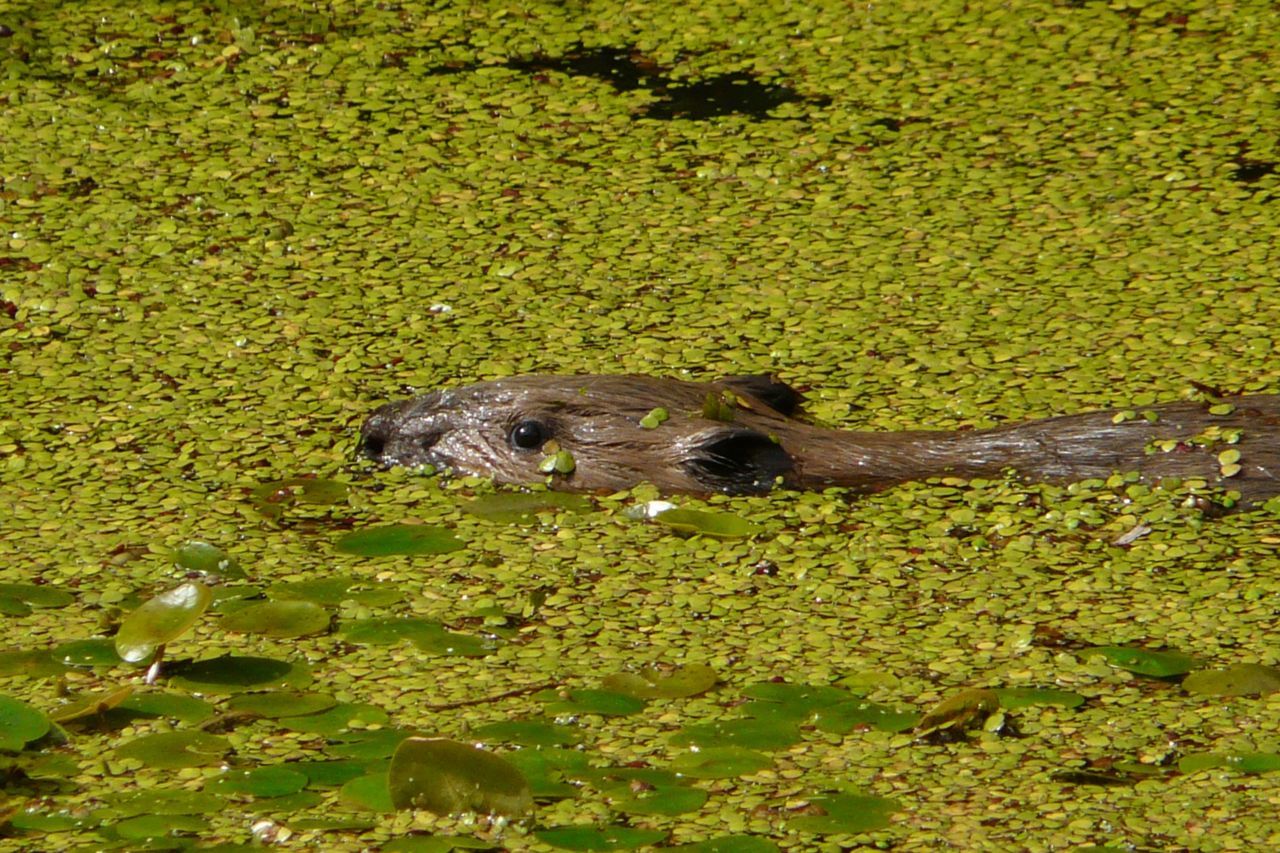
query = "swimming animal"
{"x": 740, "y": 435}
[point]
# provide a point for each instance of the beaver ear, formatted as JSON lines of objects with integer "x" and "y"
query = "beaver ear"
{"x": 779, "y": 396}
{"x": 738, "y": 461}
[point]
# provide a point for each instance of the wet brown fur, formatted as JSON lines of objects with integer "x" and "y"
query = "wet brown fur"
{"x": 596, "y": 418}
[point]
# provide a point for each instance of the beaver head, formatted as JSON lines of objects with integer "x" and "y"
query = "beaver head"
{"x": 507, "y": 428}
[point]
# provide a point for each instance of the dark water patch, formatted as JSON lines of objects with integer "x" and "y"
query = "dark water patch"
{"x": 627, "y": 70}
{"x": 1251, "y": 171}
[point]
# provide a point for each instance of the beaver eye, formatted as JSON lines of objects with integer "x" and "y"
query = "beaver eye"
{"x": 529, "y": 435}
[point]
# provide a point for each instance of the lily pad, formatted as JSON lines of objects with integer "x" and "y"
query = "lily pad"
{"x": 280, "y": 703}
{"x": 1240, "y": 762}
{"x": 427, "y": 636}
{"x": 95, "y": 651}
{"x": 280, "y": 619}
{"x": 173, "y": 750}
{"x": 446, "y": 777}
{"x": 599, "y": 837}
{"x": 151, "y": 827}
{"x": 161, "y": 620}
{"x": 236, "y": 674}
{"x": 652, "y": 683}
{"x": 665, "y": 800}
{"x": 177, "y": 706}
{"x": 1155, "y": 664}
{"x": 208, "y": 560}
{"x": 26, "y": 596}
{"x": 1244, "y": 679}
{"x": 161, "y": 801}
{"x": 331, "y": 774}
{"x": 604, "y": 702}
{"x": 747, "y": 733}
{"x": 721, "y": 525}
{"x": 527, "y": 733}
{"x": 547, "y": 768}
{"x": 729, "y": 844}
{"x": 338, "y": 718}
{"x": 1012, "y": 698}
{"x": 334, "y": 591}
{"x": 274, "y": 498}
{"x": 393, "y": 539}
{"x": 844, "y": 717}
{"x": 20, "y": 724}
{"x": 33, "y": 663}
{"x": 523, "y": 507}
{"x": 276, "y": 781}
{"x": 726, "y": 762}
{"x": 845, "y": 813}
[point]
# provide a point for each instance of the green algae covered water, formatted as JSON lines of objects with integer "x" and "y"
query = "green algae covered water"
{"x": 229, "y": 230}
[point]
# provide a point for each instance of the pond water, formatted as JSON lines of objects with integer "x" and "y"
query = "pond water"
{"x": 231, "y": 230}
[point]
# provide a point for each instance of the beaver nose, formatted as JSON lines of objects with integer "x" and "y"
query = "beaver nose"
{"x": 373, "y": 440}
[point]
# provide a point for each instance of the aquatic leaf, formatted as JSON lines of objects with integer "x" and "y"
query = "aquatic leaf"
{"x": 95, "y": 651}
{"x": 729, "y": 844}
{"x": 599, "y": 837}
{"x": 339, "y": 717}
{"x": 280, "y": 703}
{"x": 844, "y": 717}
{"x": 748, "y": 733}
{"x": 161, "y": 620}
{"x": 845, "y": 813}
{"x": 273, "y": 498}
{"x": 91, "y": 705}
{"x": 236, "y": 674}
{"x": 151, "y": 827}
{"x": 334, "y": 591}
{"x": 177, "y": 706}
{"x": 165, "y": 801}
{"x": 20, "y": 724}
{"x": 367, "y": 746}
{"x": 809, "y": 696}
{"x": 426, "y": 635}
{"x": 1240, "y": 762}
{"x": 527, "y": 733}
{"x": 30, "y": 820}
{"x": 280, "y": 619}
{"x": 1154, "y": 664}
{"x": 446, "y": 777}
{"x": 1243, "y": 679}
{"x": 434, "y": 844}
{"x": 720, "y": 525}
{"x": 650, "y": 683}
{"x": 961, "y": 710}
{"x": 392, "y": 539}
{"x": 173, "y": 750}
{"x": 559, "y": 462}
{"x": 724, "y": 762}
{"x": 666, "y": 800}
{"x": 547, "y": 768}
{"x": 331, "y": 774}
{"x": 209, "y": 560}
{"x": 33, "y": 663}
{"x": 603, "y": 702}
{"x": 275, "y": 781}
{"x": 36, "y": 595}
{"x": 523, "y": 507}
{"x": 1012, "y": 698}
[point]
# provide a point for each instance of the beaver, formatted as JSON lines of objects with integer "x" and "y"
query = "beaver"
{"x": 740, "y": 435}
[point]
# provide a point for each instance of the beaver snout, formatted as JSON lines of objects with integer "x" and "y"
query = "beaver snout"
{"x": 388, "y": 437}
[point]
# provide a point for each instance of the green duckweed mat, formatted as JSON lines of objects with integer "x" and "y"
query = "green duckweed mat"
{"x": 231, "y": 229}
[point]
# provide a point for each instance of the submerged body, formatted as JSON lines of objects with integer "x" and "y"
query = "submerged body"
{"x": 738, "y": 436}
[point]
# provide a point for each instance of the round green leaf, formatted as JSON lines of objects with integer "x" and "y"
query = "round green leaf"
{"x": 281, "y": 619}
{"x": 599, "y": 837}
{"x": 1154, "y": 664}
{"x": 399, "y": 539}
{"x": 1245, "y": 679}
{"x": 20, "y": 723}
{"x": 845, "y": 813}
{"x": 652, "y": 683}
{"x": 161, "y": 620}
{"x": 172, "y": 750}
{"x": 446, "y": 777}
{"x": 209, "y": 560}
